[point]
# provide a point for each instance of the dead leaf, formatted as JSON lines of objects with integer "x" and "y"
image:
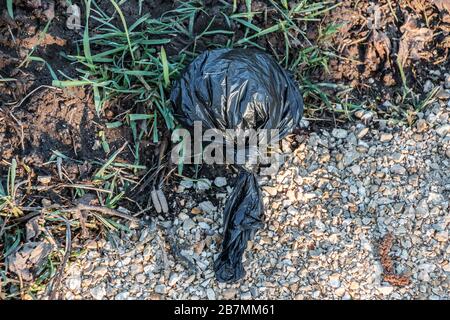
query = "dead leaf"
{"x": 28, "y": 259}
{"x": 396, "y": 280}
{"x": 388, "y": 265}
{"x": 382, "y": 44}
{"x": 32, "y": 229}
{"x": 198, "y": 247}
{"x": 413, "y": 41}
{"x": 442, "y": 4}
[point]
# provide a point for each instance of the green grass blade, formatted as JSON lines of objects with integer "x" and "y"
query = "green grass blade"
{"x": 12, "y": 177}
{"x": 86, "y": 42}
{"x": 52, "y": 73}
{"x": 165, "y": 65}
{"x": 9, "y": 6}
{"x": 136, "y": 116}
{"x": 124, "y": 23}
{"x": 102, "y": 170}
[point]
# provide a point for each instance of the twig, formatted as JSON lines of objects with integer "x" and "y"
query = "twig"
{"x": 21, "y": 130}
{"x": 29, "y": 94}
{"x": 392, "y": 10}
{"x": 3, "y": 226}
{"x": 163, "y": 251}
{"x": 32, "y": 214}
{"x": 81, "y": 186}
{"x": 104, "y": 210}
{"x": 82, "y": 207}
{"x": 57, "y": 280}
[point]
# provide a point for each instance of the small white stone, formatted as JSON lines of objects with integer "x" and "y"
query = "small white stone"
{"x": 339, "y": 133}
{"x": 207, "y": 207}
{"x": 140, "y": 278}
{"x": 210, "y": 294}
{"x": 385, "y": 137}
{"x": 340, "y": 291}
{"x": 186, "y": 183}
{"x": 100, "y": 271}
{"x": 229, "y": 294}
{"x": 160, "y": 288}
{"x": 362, "y": 133}
{"x": 446, "y": 268}
{"x": 122, "y": 296}
{"x": 271, "y": 190}
{"x": 442, "y": 236}
{"x": 356, "y": 169}
{"x": 246, "y": 295}
{"x": 386, "y": 290}
{"x": 74, "y": 282}
{"x": 98, "y": 292}
{"x": 203, "y": 184}
{"x": 398, "y": 169}
{"x": 220, "y": 182}
{"x": 443, "y": 130}
{"x": 174, "y": 277}
{"x": 334, "y": 281}
{"x": 304, "y": 124}
{"x": 188, "y": 224}
{"x": 204, "y": 225}
{"x": 428, "y": 86}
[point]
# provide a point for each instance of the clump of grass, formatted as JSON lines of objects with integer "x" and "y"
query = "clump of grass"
{"x": 408, "y": 103}
{"x": 139, "y": 59}
{"x": 133, "y": 59}
{"x": 58, "y": 221}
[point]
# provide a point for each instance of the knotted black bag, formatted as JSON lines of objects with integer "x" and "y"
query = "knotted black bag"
{"x": 238, "y": 89}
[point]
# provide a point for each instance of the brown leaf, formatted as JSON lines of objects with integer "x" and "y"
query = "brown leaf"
{"x": 388, "y": 264}
{"x": 396, "y": 280}
{"x": 413, "y": 41}
{"x": 32, "y": 229}
{"x": 28, "y": 259}
{"x": 442, "y": 4}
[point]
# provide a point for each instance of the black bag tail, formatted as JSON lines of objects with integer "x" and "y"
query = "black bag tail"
{"x": 242, "y": 218}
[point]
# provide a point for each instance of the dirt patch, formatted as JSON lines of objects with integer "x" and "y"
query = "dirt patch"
{"x": 24, "y": 35}
{"x": 53, "y": 122}
{"x": 376, "y": 39}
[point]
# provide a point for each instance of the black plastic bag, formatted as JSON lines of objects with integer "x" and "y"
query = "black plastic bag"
{"x": 238, "y": 89}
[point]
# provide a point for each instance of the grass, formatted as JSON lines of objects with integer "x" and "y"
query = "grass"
{"x": 409, "y": 103}
{"x": 138, "y": 59}
{"x": 9, "y": 7}
{"x": 134, "y": 60}
{"x": 16, "y": 209}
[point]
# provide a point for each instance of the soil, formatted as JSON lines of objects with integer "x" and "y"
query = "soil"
{"x": 374, "y": 36}
{"x": 54, "y": 120}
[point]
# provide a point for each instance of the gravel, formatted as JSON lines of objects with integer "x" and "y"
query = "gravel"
{"x": 220, "y": 182}
{"x": 339, "y": 133}
{"x": 338, "y": 193}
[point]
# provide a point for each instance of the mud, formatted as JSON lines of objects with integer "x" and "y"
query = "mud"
{"x": 376, "y": 39}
